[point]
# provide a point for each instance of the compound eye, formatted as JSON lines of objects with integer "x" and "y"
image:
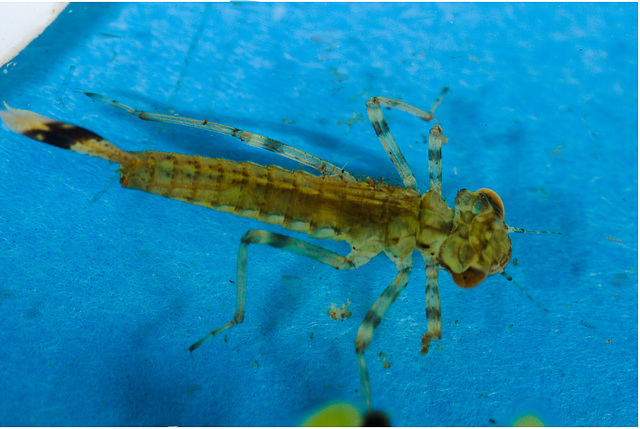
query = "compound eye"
{"x": 470, "y": 278}
{"x": 494, "y": 200}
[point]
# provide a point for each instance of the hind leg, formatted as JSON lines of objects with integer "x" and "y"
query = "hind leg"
{"x": 300, "y": 247}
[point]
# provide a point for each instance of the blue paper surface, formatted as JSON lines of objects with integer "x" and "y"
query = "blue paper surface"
{"x": 103, "y": 288}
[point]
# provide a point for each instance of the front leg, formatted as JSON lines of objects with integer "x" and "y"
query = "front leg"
{"x": 390, "y": 146}
{"x": 432, "y": 295}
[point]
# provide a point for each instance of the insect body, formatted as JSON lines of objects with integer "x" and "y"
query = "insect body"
{"x": 470, "y": 240}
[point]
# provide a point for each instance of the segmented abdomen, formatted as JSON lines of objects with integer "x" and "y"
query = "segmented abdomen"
{"x": 323, "y": 207}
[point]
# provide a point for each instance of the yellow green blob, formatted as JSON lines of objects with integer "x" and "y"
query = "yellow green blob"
{"x": 529, "y": 421}
{"x": 334, "y": 414}
{"x": 526, "y": 412}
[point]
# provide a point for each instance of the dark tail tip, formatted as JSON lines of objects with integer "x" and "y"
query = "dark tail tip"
{"x": 61, "y": 135}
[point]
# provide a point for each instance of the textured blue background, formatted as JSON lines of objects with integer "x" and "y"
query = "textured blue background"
{"x": 103, "y": 288}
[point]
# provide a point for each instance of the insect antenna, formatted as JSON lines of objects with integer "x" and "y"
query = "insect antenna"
{"x": 532, "y": 231}
{"x": 508, "y": 277}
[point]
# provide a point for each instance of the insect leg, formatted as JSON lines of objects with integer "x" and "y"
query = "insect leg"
{"x": 432, "y": 304}
{"x": 353, "y": 260}
{"x": 251, "y": 139}
{"x": 384, "y": 134}
{"x": 436, "y": 140}
{"x": 373, "y": 318}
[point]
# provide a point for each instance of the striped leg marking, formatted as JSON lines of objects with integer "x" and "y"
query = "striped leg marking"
{"x": 436, "y": 140}
{"x": 373, "y": 318}
{"x": 384, "y": 134}
{"x": 353, "y": 260}
{"x": 432, "y": 294}
{"x": 246, "y": 137}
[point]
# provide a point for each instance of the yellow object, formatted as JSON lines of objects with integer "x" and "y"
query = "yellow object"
{"x": 335, "y": 414}
{"x": 528, "y": 421}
